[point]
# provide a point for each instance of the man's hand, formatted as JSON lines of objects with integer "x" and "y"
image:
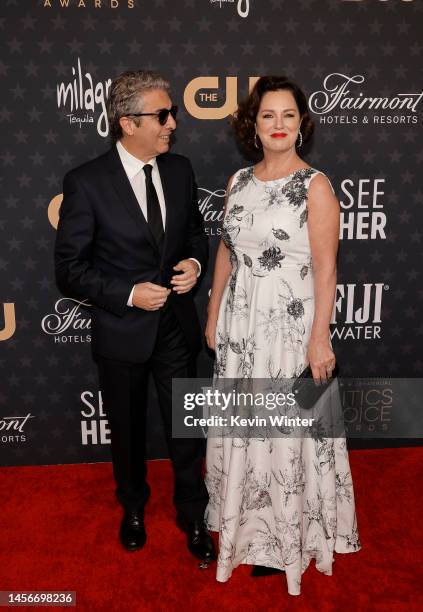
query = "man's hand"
{"x": 187, "y": 278}
{"x": 149, "y": 296}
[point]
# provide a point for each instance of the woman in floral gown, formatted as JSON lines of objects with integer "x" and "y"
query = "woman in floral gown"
{"x": 277, "y": 502}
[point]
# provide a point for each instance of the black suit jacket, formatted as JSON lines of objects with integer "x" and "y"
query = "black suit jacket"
{"x": 104, "y": 246}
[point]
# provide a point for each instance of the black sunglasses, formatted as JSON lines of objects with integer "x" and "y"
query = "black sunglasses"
{"x": 162, "y": 115}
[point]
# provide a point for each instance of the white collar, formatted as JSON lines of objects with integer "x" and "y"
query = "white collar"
{"x": 131, "y": 163}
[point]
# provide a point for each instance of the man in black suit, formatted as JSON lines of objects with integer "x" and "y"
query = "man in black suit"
{"x": 131, "y": 240}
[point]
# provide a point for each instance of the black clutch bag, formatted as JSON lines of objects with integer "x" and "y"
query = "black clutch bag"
{"x": 306, "y": 391}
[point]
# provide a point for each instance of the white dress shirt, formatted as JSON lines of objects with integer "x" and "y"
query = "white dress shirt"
{"x": 134, "y": 171}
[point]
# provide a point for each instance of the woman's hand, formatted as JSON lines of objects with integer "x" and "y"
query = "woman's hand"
{"x": 321, "y": 359}
{"x": 210, "y": 332}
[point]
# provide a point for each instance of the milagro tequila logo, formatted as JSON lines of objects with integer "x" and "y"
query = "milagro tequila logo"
{"x": 336, "y": 96}
{"x": 357, "y": 311}
{"x": 12, "y": 428}
{"x": 67, "y": 322}
{"x": 243, "y": 6}
{"x": 211, "y": 205}
{"x": 83, "y": 97}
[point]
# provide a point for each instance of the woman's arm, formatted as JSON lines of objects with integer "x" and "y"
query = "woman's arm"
{"x": 221, "y": 273}
{"x": 323, "y": 229}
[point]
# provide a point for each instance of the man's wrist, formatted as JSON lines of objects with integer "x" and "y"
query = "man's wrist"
{"x": 198, "y": 265}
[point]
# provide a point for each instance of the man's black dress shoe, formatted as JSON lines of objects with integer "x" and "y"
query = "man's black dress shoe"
{"x": 199, "y": 541}
{"x": 132, "y": 531}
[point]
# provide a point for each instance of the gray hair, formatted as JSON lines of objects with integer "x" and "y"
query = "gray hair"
{"x": 125, "y": 96}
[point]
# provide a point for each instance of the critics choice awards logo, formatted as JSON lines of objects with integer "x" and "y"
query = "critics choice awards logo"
{"x": 69, "y": 323}
{"x": 367, "y": 405}
{"x": 98, "y": 4}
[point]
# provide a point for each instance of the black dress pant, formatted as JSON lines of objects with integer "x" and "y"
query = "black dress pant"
{"x": 124, "y": 391}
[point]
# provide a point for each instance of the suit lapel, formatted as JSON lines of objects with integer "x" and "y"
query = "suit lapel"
{"x": 126, "y": 194}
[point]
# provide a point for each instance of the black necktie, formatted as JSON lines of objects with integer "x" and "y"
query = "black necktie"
{"x": 154, "y": 214}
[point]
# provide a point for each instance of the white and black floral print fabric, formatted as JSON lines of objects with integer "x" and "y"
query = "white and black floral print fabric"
{"x": 275, "y": 502}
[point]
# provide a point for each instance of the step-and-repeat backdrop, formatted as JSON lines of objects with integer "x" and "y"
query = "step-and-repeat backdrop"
{"x": 359, "y": 62}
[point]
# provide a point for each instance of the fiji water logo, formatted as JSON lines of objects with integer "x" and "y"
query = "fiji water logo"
{"x": 357, "y": 311}
{"x": 84, "y": 98}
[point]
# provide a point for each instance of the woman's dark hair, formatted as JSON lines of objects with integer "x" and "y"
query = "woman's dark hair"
{"x": 244, "y": 118}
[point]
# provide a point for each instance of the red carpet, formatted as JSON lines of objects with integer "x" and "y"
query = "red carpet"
{"x": 59, "y": 532}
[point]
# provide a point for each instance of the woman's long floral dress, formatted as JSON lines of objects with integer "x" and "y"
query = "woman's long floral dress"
{"x": 275, "y": 502}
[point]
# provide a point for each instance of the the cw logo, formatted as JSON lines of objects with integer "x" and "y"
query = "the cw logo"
{"x": 196, "y": 86}
{"x": 9, "y": 322}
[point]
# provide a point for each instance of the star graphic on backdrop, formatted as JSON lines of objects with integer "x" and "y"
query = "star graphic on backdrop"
{"x": 58, "y": 22}
{"x": 134, "y": 46}
{"x": 5, "y": 114}
{"x": 175, "y": 24}
{"x": 105, "y": 46}
{"x": 179, "y": 70}
{"x": 388, "y": 49}
{"x": 347, "y": 26}
{"x": 262, "y": 25}
{"x": 8, "y": 158}
{"x": 45, "y": 45}
{"x": 189, "y": 47}
{"x": 149, "y": 24}
{"x": 332, "y": 49}
{"x": 31, "y": 69}
{"x": 14, "y": 244}
{"x": 247, "y": 48}
{"x": 28, "y": 22}
{"x": 50, "y": 137}
{"x": 304, "y": 48}
{"x": 291, "y": 25}
{"x": 119, "y": 24}
{"x": 15, "y": 45}
{"x": 21, "y": 137}
{"x": 43, "y": 243}
{"x": 233, "y": 25}
{"x": 17, "y": 284}
{"x": 164, "y": 47}
{"x": 89, "y": 23}
{"x": 75, "y": 46}
{"x": 34, "y": 114}
{"x": 204, "y": 25}
{"x": 218, "y": 48}
{"x": 48, "y": 92}
{"x": 275, "y": 48}
{"x": 415, "y": 49}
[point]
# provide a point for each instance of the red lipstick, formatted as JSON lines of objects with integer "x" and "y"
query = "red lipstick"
{"x": 279, "y": 135}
